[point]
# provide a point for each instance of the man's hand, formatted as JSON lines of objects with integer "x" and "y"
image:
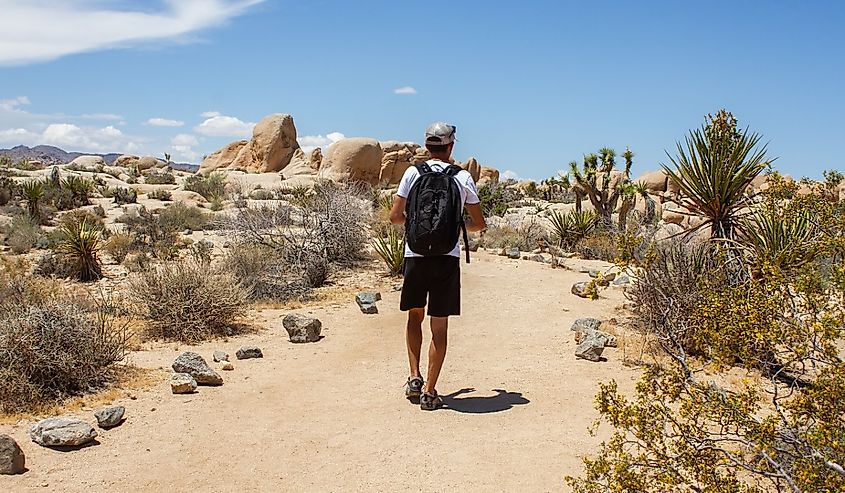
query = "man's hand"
{"x": 397, "y": 212}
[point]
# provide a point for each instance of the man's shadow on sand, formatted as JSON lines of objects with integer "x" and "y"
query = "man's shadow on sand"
{"x": 502, "y": 401}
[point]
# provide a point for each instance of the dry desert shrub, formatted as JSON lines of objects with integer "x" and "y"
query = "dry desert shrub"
{"x": 328, "y": 227}
{"x": 54, "y": 345}
{"x": 23, "y": 234}
{"x": 188, "y": 301}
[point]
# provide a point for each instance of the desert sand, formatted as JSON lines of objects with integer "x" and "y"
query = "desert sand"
{"x": 331, "y": 416}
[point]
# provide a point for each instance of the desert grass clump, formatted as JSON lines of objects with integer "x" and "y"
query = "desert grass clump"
{"x": 81, "y": 244}
{"x": 54, "y": 345}
{"x": 22, "y": 233}
{"x": 118, "y": 246}
{"x": 188, "y": 301}
{"x": 391, "y": 249}
{"x": 265, "y": 273}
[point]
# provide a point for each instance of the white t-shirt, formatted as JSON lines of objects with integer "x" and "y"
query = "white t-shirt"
{"x": 469, "y": 194}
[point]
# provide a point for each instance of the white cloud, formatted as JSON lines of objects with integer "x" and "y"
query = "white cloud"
{"x": 224, "y": 126}
{"x": 509, "y": 175}
{"x": 184, "y": 140}
{"x": 210, "y": 114}
{"x": 183, "y": 147}
{"x": 164, "y": 122}
{"x": 72, "y": 137}
{"x": 311, "y": 142}
{"x": 405, "y": 90}
{"x": 101, "y": 116}
{"x": 12, "y": 104}
{"x": 77, "y": 26}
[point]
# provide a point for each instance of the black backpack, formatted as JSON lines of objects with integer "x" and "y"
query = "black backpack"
{"x": 434, "y": 215}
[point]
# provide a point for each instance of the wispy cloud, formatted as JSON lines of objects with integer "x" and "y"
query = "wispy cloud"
{"x": 12, "y": 104}
{"x": 183, "y": 145}
{"x": 164, "y": 122}
{"x": 72, "y": 137}
{"x": 405, "y": 90}
{"x": 78, "y": 26}
{"x": 224, "y": 126}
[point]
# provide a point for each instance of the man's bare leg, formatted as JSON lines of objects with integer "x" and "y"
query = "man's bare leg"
{"x": 413, "y": 338}
{"x": 436, "y": 351}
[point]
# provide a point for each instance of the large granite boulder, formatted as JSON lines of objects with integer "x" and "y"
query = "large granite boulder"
{"x": 355, "y": 159}
{"x": 270, "y": 150}
{"x": 488, "y": 176}
{"x": 474, "y": 169}
{"x": 654, "y": 181}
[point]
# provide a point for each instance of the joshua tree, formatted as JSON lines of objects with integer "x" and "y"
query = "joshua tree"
{"x": 714, "y": 168}
{"x": 596, "y": 181}
{"x": 629, "y": 192}
{"x": 167, "y": 158}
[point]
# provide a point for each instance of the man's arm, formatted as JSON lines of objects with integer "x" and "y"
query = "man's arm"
{"x": 397, "y": 212}
{"x": 476, "y": 221}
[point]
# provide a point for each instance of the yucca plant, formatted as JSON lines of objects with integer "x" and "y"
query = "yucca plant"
{"x": 79, "y": 187}
{"x": 391, "y": 249}
{"x": 629, "y": 192}
{"x": 781, "y": 241}
{"x": 81, "y": 242}
{"x": 713, "y": 169}
{"x": 569, "y": 227}
{"x": 33, "y": 192}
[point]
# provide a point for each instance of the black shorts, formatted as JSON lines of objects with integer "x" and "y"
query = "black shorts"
{"x": 436, "y": 278}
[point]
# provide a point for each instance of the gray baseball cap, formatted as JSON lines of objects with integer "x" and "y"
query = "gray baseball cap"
{"x": 440, "y": 133}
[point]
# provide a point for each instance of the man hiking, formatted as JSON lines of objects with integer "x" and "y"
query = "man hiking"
{"x": 430, "y": 203}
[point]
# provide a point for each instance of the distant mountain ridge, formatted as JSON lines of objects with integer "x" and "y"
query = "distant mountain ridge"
{"x": 51, "y": 156}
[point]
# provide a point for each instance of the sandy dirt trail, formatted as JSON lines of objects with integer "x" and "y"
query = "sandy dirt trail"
{"x": 331, "y": 416}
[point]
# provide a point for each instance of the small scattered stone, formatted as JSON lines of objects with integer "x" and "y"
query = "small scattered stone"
{"x": 302, "y": 328}
{"x": 194, "y": 365}
{"x": 12, "y": 458}
{"x": 580, "y": 289}
{"x": 367, "y": 302}
{"x": 606, "y": 339}
{"x": 397, "y": 287}
{"x": 513, "y": 253}
{"x": 110, "y": 416}
{"x": 586, "y": 324}
{"x": 249, "y": 352}
{"x": 182, "y": 383}
{"x": 590, "y": 349}
{"x": 220, "y": 356}
{"x": 539, "y": 258}
{"x": 187, "y": 232}
{"x": 228, "y": 366}
{"x": 622, "y": 280}
{"x": 62, "y": 432}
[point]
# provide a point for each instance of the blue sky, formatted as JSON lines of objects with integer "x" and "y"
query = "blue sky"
{"x": 531, "y": 85}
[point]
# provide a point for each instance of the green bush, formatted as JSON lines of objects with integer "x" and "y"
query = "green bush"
{"x": 211, "y": 187}
{"x": 123, "y": 195}
{"x": 160, "y": 178}
{"x": 163, "y": 195}
{"x": 494, "y": 200}
{"x": 178, "y": 217}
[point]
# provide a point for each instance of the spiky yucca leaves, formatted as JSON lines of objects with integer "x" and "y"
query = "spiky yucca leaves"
{"x": 33, "y": 192}
{"x": 79, "y": 187}
{"x": 391, "y": 249}
{"x": 782, "y": 242}
{"x": 81, "y": 242}
{"x": 569, "y": 227}
{"x": 594, "y": 179}
{"x": 713, "y": 169}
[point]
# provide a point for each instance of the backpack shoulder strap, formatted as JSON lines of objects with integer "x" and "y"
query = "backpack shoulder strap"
{"x": 453, "y": 170}
{"x": 423, "y": 168}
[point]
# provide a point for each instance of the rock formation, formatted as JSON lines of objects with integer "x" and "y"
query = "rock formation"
{"x": 355, "y": 159}
{"x": 270, "y": 150}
